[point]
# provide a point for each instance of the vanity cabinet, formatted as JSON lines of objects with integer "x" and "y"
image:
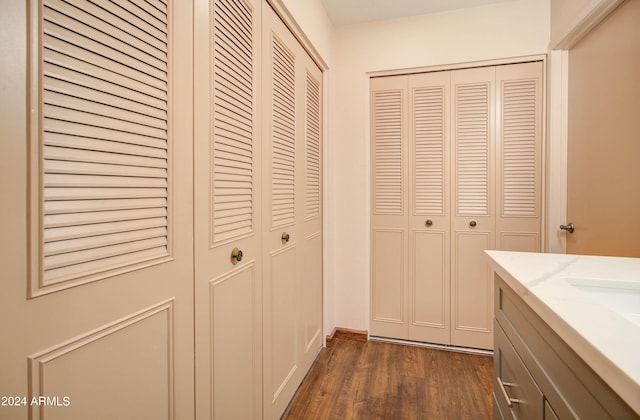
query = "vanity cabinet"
{"x": 537, "y": 375}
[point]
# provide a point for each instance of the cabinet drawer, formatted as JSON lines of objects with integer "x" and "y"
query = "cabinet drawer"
{"x": 515, "y": 390}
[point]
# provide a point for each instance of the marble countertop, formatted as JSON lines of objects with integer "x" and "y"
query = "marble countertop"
{"x": 607, "y": 339}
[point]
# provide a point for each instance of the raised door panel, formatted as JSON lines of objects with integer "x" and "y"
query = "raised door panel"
{"x": 311, "y": 301}
{"x": 227, "y": 208}
{"x": 235, "y": 325}
{"x": 388, "y": 284}
{"x": 96, "y": 166}
{"x": 429, "y": 216}
{"x": 282, "y": 352}
{"x": 389, "y": 215}
{"x": 430, "y": 288}
{"x": 472, "y": 295}
{"x": 519, "y": 161}
{"x": 473, "y": 215}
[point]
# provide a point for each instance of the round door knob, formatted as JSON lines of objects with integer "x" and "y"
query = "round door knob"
{"x": 473, "y": 223}
{"x": 236, "y": 256}
{"x": 285, "y": 237}
{"x": 429, "y": 222}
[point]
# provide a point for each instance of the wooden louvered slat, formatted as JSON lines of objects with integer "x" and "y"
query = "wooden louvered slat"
{"x": 148, "y": 115}
{"x": 104, "y": 228}
{"x": 387, "y": 135}
{"x": 104, "y": 169}
{"x": 84, "y": 12}
{"x": 101, "y": 10}
{"x": 159, "y": 24}
{"x": 103, "y": 193}
{"x": 519, "y": 148}
{"x": 69, "y": 153}
{"x": 71, "y": 132}
{"x": 113, "y": 260}
{"x": 67, "y": 69}
{"x": 472, "y": 134}
{"x": 429, "y": 123}
{"x": 62, "y": 109}
{"x": 283, "y": 143}
{"x": 78, "y": 206}
{"x": 233, "y": 121}
{"x": 102, "y": 48}
{"x": 89, "y": 62}
{"x": 313, "y": 151}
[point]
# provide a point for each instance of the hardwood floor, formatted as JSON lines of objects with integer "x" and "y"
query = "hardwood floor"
{"x": 376, "y": 380}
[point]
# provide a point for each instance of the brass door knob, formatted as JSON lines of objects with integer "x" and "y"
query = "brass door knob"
{"x": 285, "y": 237}
{"x": 473, "y": 223}
{"x": 236, "y": 256}
{"x": 429, "y": 222}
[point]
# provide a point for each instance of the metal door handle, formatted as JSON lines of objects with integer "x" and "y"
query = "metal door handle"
{"x": 473, "y": 223}
{"x": 285, "y": 237}
{"x": 569, "y": 227}
{"x": 429, "y": 222}
{"x": 510, "y": 401}
{"x": 236, "y": 256}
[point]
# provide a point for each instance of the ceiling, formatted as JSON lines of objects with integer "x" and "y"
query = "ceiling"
{"x": 346, "y": 12}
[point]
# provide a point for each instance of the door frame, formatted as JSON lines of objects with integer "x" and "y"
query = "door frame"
{"x": 557, "y": 116}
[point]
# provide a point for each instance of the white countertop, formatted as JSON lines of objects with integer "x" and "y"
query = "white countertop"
{"x": 604, "y": 339}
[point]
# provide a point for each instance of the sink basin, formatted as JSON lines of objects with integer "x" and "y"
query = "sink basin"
{"x": 622, "y": 297}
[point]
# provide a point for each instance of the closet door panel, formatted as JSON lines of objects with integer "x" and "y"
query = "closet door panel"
{"x": 290, "y": 129}
{"x": 282, "y": 340}
{"x": 388, "y": 301}
{"x": 389, "y": 204}
{"x": 429, "y": 288}
{"x": 227, "y": 176}
{"x": 473, "y": 218}
{"x": 519, "y": 151}
{"x": 429, "y": 198}
{"x": 310, "y": 208}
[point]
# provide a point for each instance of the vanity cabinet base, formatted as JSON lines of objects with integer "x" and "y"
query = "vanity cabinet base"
{"x": 537, "y": 375}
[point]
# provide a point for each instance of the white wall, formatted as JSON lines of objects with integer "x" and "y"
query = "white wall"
{"x": 502, "y": 30}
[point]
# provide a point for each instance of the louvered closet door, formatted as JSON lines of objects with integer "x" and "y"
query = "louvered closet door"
{"x": 389, "y": 207}
{"x": 103, "y": 317}
{"x": 227, "y": 170}
{"x": 519, "y": 151}
{"x": 473, "y": 197}
{"x": 284, "y": 213}
{"x": 429, "y": 217}
{"x": 310, "y": 212}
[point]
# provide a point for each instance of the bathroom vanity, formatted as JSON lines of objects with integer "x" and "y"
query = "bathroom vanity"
{"x": 567, "y": 336}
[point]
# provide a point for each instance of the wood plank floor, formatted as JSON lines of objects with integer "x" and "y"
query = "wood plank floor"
{"x": 376, "y": 380}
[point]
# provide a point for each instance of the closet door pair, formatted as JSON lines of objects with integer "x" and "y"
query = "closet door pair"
{"x": 292, "y": 230}
{"x": 258, "y": 236}
{"x": 455, "y": 171}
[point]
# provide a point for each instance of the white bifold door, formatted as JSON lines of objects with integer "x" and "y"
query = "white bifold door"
{"x": 258, "y": 211}
{"x": 292, "y": 213}
{"x": 456, "y": 167}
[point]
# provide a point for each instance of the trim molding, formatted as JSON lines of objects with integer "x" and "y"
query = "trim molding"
{"x": 458, "y": 66}
{"x": 586, "y": 23}
{"x": 288, "y": 19}
{"x": 347, "y": 334}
